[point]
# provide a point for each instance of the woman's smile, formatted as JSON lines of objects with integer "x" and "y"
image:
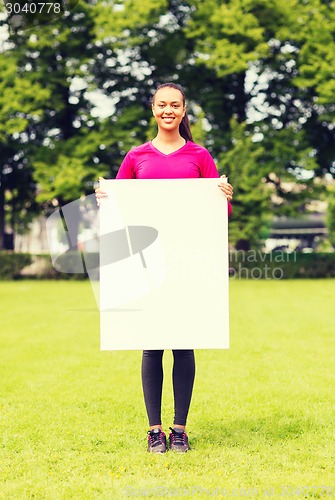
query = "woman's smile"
{"x": 169, "y": 109}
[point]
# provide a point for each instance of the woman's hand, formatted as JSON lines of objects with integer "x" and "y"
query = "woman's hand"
{"x": 99, "y": 193}
{"x": 226, "y": 188}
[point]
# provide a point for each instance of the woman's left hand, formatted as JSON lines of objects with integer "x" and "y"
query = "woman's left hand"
{"x": 226, "y": 188}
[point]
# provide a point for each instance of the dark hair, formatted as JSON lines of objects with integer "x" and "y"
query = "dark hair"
{"x": 184, "y": 127}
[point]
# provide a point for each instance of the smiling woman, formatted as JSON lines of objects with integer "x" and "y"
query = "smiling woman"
{"x": 179, "y": 116}
{"x": 172, "y": 154}
{"x": 169, "y": 110}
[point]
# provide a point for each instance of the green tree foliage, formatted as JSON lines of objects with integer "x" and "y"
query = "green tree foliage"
{"x": 228, "y": 35}
{"x": 251, "y": 215}
{"x": 47, "y": 125}
{"x": 21, "y": 110}
{"x": 290, "y": 53}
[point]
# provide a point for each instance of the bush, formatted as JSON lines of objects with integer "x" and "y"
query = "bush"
{"x": 42, "y": 267}
{"x": 11, "y": 264}
{"x": 28, "y": 266}
{"x": 250, "y": 264}
{"x": 281, "y": 265}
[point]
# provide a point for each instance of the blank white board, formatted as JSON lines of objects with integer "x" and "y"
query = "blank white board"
{"x": 163, "y": 265}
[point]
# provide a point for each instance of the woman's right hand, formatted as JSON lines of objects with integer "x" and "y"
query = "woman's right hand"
{"x": 99, "y": 193}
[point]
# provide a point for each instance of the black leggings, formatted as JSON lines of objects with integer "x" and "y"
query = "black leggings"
{"x": 152, "y": 380}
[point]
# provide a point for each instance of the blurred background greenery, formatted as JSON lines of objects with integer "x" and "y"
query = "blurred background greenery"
{"x": 259, "y": 76}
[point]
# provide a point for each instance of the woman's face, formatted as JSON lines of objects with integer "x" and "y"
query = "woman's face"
{"x": 168, "y": 108}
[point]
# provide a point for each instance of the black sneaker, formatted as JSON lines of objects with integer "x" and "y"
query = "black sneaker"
{"x": 178, "y": 440}
{"x": 156, "y": 441}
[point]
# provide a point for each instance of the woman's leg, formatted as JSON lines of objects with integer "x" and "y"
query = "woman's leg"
{"x": 152, "y": 383}
{"x": 183, "y": 378}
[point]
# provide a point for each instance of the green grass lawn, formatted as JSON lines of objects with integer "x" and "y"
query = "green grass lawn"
{"x": 261, "y": 424}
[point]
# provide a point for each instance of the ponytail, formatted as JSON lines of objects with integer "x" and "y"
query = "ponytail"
{"x": 184, "y": 127}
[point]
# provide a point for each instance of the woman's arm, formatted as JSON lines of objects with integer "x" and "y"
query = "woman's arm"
{"x": 208, "y": 168}
{"x": 126, "y": 171}
{"x": 228, "y": 191}
{"x": 226, "y": 188}
{"x": 99, "y": 193}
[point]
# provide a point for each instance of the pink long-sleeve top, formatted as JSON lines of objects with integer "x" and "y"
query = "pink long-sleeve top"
{"x": 147, "y": 162}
